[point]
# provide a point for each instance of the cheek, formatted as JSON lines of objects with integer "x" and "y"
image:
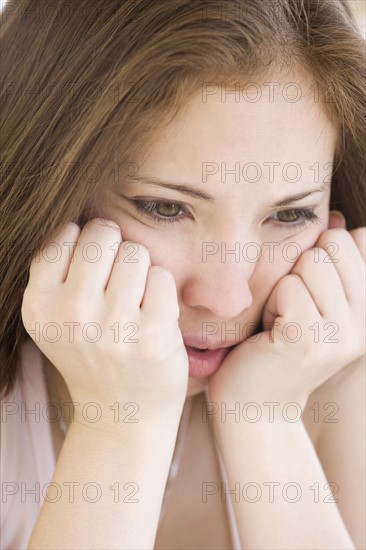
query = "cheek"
{"x": 278, "y": 259}
{"x": 170, "y": 257}
{"x": 163, "y": 251}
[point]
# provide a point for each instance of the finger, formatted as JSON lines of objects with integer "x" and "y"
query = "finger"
{"x": 94, "y": 255}
{"x": 126, "y": 286}
{"x": 291, "y": 301}
{"x": 50, "y": 266}
{"x": 359, "y": 236}
{"x": 336, "y": 219}
{"x": 322, "y": 282}
{"x": 347, "y": 259}
{"x": 160, "y": 297}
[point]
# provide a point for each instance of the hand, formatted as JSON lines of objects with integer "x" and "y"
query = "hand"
{"x": 127, "y": 345}
{"x": 317, "y": 315}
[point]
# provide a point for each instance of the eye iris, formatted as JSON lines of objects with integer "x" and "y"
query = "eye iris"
{"x": 289, "y": 215}
{"x": 169, "y": 209}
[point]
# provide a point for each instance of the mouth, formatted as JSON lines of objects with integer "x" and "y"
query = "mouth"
{"x": 205, "y": 358}
{"x": 204, "y": 362}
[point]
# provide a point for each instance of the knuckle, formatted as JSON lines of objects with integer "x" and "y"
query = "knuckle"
{"x": 131, "y": 252}
{"x": 162, "y": 273}
{"x": 143, "y": 252}
{"x": 153, "y": 346}
{"x": 103, "y": 222}
{"x": 61, "y": 231}
{"x": 288, "y": 282}
{"x": 306, "y": 258}
{"x": 72, "y": 225}
{"x": 333, "y": 235}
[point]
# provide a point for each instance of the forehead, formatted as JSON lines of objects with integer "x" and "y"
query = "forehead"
{"x": 279, "y": 121}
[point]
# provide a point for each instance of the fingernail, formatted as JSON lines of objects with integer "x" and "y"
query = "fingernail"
{"x": 339, "y": 216}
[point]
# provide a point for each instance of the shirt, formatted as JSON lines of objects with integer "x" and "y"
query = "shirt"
{"x": 28, "y": 458}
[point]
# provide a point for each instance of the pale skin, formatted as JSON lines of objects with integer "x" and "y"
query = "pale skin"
{"x": 245, "y": 292}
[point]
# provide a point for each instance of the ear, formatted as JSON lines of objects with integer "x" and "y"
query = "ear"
{"x": 336, "y": 219}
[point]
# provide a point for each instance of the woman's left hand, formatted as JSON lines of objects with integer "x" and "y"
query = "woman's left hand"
{"x": 315, "y": 321}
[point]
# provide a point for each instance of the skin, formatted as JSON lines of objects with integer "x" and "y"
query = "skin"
{"x": 241, "y": 292}
{"x": 230, "y": 132}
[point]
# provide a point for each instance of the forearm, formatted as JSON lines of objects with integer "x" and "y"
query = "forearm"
{"x": 120, "y": 507}
{"x": 283, "y": 506}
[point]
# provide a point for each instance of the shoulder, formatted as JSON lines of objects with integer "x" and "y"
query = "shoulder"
{"x": 27, "y": 455}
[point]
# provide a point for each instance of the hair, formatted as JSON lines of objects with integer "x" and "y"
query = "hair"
{"x": 87, "y": 87}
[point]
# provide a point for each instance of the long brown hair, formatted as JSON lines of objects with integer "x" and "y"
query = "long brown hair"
{"x": 87, "y": 86}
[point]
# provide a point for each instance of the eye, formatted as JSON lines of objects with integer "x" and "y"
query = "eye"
{"x": 161, "y": 211}
{"x": 167, "y": 209}
{"x": 297, "y": 217}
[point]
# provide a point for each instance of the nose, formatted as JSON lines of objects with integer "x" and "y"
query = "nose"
{"x": 219, "y": 284}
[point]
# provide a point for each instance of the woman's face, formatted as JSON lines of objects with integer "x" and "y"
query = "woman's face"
{"x": 228, "y": 251}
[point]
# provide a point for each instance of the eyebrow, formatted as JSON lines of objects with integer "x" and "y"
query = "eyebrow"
{"x": 191, "y": 192}
{"x": 295, "y": 198}
{"x": 184, "y": 189}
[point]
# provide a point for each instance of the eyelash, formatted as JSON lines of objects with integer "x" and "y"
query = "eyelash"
{"x": 147, "y": 208}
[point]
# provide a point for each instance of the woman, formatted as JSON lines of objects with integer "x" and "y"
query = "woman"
{"x": 199, "y": 147}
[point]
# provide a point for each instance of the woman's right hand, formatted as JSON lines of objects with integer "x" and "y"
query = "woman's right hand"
{"x": 107, "y": 320}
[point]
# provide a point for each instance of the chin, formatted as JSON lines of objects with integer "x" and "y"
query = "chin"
{"x": 196, "y": 385}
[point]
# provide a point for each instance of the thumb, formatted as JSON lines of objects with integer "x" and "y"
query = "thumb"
{"x": 336, "y": 219}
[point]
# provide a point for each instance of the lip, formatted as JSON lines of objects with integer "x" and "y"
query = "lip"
{"x": 205, "y": 363}
{"x": 197, "y": 343}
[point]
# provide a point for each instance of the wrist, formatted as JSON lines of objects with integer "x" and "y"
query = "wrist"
{"x": 238, "y": 419}
{"x": 122, "y": 418}
{"x": 148, "y": 433}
